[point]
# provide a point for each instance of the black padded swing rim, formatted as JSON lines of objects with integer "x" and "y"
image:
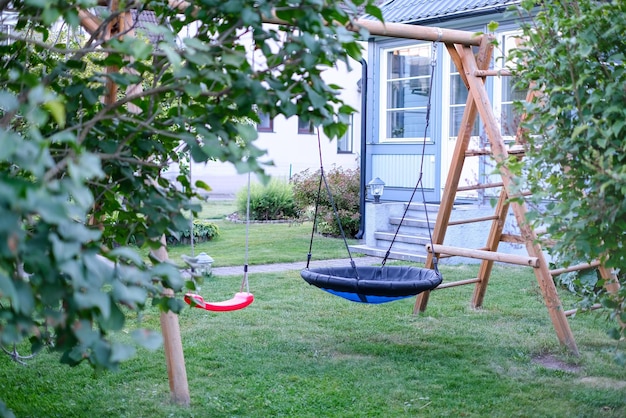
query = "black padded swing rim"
{"x": 392, "y": 281}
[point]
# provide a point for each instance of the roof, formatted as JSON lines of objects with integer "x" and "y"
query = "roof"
{"x": 408, "y": 11}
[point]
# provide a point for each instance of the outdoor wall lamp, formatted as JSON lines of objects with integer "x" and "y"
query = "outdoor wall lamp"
{"x": 376, "y": 187}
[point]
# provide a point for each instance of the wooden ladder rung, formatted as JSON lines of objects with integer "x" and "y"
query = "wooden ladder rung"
{"x": 479, "y": 186}
{"x": 492, "y": 72}
{"x": 577, "y": 267}
{"x": 457, "y": 283}
{"x": 573, "y": 311}
{"x": 514, "y": 150}
{"x": 512, "y": 238}
{"x": 484, "y": 255}
{"x": 473, "y": 220}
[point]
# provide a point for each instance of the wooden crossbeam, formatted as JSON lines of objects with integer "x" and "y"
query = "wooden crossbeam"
{"x": 479, "y": 186}
{"x": 484, "y": 255}
{"x": 577, "y": 267}
{"x": 473, "y": 220}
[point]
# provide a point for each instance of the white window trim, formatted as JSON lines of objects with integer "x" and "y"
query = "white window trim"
{"x": 382, "y": 100}
{"x": 498, "y": 81}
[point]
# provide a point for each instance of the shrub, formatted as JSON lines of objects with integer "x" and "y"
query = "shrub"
{"x": 274, "y": 201}
{"x": 344, "y": 185}
{"x": 203, "y": 231}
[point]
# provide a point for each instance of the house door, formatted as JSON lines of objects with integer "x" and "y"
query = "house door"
{"x": 407, "y": 142}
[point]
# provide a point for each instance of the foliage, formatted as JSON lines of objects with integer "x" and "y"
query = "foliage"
{"x": 273, "y": 201}
{"x": 573, "y": 59}
{"x": 344, "y": 186}
{"x": 81, "y": 161}
{"x": 203, "y": 230}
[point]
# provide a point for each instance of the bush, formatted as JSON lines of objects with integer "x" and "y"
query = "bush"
{"x": 344, "y": 185}
{"x": 203, "y": 231}
{"x": 272, "y": 202}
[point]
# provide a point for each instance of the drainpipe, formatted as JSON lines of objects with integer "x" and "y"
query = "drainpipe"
{"x": 363, "y": 190}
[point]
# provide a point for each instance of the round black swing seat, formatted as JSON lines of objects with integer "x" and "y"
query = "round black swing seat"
{"x": 373, "y": 284}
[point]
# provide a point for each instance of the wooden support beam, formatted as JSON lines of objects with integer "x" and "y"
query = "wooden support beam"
{"x": 484, "y": 255}
{"x": 479, "y": 186}
{"x": 458, "y": 158}
{"x": 571, "y": 312}
{"x": 473, "y": 220}
{"x": 514, "y": 150}
{"x": 493, "y": 72}
{"x": 457, "y": 283}
{"x": 422, "y": 33}
{"x": 577, "y": 267}
{"x": 500, "y": 154}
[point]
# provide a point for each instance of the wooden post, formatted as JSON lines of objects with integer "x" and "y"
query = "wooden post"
{"x": 542, "y": 272}
{"x": 174, "y": 357}
{"x": 173, "y": 346}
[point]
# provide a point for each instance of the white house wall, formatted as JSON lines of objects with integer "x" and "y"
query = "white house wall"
{"x": 290, "y": 151}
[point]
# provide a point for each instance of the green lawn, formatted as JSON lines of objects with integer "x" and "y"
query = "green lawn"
{"x": 267, "y": 242}
{"x": 299, "y": 352}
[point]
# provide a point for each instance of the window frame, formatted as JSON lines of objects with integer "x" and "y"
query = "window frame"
{"x": 304, "y": 130}
{"x": 348, "y": 137}
{"x": 261, "y": 127}
{"x": 384, "y": 98}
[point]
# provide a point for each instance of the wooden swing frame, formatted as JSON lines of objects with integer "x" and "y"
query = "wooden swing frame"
{"x": 473, "y": 68}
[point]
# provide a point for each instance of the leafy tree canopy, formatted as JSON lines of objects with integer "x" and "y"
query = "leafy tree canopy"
{"x": 81, "y": 162}
{"x": 574, "y": 61}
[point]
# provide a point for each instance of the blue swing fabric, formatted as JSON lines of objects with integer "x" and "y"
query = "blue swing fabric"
{"x": 372, "y": 284}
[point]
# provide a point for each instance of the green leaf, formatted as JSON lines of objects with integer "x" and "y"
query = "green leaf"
{"x": 8, "y": 101}
{"x": 148, "y": 339}
{"x": 92, "y": 299}
{"x": 127, "y": 254}
{"x": 493, "y": 26}
{"x": 57, "y": 110}
{"x": 247, "y": 132}
{"x": 85, "y": 333}
{"x": 129, "y": 295}
{"x": 115, "y": 321}
{"x": 202, "y": 185}
{"x": 7, "y": 290}
{"x": 121, "y": 352}
{"x": 374, "y": 11}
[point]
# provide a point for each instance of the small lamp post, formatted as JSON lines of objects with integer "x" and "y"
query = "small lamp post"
{"x": 204, "y": 263}
{"x": 376, "y": 187}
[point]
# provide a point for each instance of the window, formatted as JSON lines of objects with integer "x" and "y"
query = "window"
{"x": 266, "y": 123}
{"x": 458, "y": 99}
{"x": 305, "y": 127}
{"x": 505, "y": 92}
{"x": 344, "y": 144}
{"x": 404, "y": 92}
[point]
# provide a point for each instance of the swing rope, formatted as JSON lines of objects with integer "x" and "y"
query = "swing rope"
{"x": 372, "y": 284}
{"x": 420, "y": 184}
{"x": 244, "y": 282}
{"x": 333, "y": 205}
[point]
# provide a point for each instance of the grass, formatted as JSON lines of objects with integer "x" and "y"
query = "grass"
{"x": 300, "y": 352}
{"x": 275, "y": 243}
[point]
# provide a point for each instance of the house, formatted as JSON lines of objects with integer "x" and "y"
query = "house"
{"x": 404, "y": 146}
{"x": 399, "y": 78}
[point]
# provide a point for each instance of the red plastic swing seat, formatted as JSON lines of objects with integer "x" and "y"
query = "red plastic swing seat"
{"x": 239, "y": 301}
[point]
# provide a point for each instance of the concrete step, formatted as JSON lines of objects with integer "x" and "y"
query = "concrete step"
{"x": 393, "y": 254}
{"x": 415, "y": 222}
{"x": 420, "y": 207}
{"x": 419, "y": 240}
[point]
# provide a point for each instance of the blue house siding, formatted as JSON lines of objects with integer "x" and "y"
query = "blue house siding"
{"x": 396, "y": 161}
